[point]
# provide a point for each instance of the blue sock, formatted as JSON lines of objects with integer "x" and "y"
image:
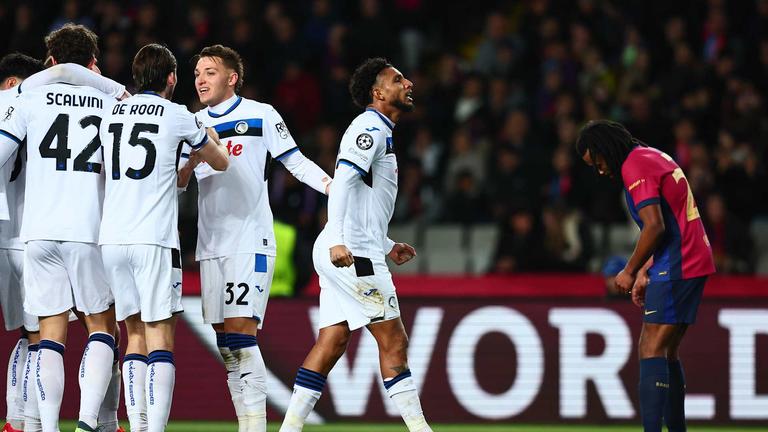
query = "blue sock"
{"x": 236, "y": 341}
{"x": 310, "y": 380}
{"x": 654, "y": 386}
{"x": 674, "y": 410}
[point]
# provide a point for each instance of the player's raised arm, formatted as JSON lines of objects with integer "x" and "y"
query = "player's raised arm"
{"x": 281, "y": 143}
{"x": 75, "y": 74}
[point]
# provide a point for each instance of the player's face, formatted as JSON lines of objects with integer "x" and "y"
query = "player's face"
{"x": 598, "y": 162}
{"x": 212, "y": 81}
{"x": 396, "y": 89}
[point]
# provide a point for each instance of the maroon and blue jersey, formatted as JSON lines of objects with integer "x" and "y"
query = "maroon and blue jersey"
{"x": 652, "y": 177}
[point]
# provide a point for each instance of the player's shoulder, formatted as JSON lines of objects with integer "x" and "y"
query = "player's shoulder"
{"x": 648, "y": 160}
{"x": 257, "y": 109}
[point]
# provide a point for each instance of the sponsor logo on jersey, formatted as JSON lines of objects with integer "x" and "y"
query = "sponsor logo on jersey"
{"x": 8, "y": 113}
{"x": 364, "y": 141}
{"x": 282, "y": 130}
{"x": 636, "y": 184}
{"x": 198, "y": 123}
{"x": 371, "y": 129}
{"x": 241, "y": 127}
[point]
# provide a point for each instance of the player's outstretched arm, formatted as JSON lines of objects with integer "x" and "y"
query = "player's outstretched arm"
{"x": 307, "y": 171}
{"x": 75, "y": 74}
{"x": 185, "y": 172}
{"x": 214, "y": 152}
{"x": 650, "y": 236}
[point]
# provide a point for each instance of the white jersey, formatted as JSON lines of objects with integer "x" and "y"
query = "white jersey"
{"x": 362, "y": 223}
{"x": 11, "y": 187}
{"x": 234, "y": 216}
{"x": 65, "y": 180}
{"x": 142, "y": 140}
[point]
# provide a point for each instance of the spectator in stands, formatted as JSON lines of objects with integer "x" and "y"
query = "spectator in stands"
{"x": 467, "y": 203}
{"x": 567, "y": 244}
{"x": 732, "y": 246}
{"x": 519, "y": 246}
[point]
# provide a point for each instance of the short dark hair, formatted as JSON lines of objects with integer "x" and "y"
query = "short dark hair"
{"x": 363, "y": 79}
{"x": 151, "y": 67}
{"x": 72, "y": 43}
{"x": 19, "y": 65}
{"x": 229, "y": 57}
{"x": 609, "y": 139}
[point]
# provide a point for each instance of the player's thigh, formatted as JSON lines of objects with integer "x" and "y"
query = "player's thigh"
{"x": 46, "y": 282}
{"x": 247, "y": 280}
{"x": 673, "y": 302}
{"x": 85, "y": 268}
{"x": 157, "y": 278}
{"x": 212, "y": 291}
{"x": 11, "y": 300}
{"x": 16, "y": 258}
{"x": 119, "y": 273}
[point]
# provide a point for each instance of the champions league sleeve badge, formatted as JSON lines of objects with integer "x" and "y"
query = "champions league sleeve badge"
{"x": 364, "y": 141}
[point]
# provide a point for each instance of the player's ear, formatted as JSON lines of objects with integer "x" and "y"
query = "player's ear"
{"x": 171, "y": 80}
{"x": 233, "y": 77}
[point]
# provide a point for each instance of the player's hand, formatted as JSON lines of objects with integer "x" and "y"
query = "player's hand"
{"x": 624, "y": 281}
{"x": 212, "y": 133}
{"x": 341, "y": 256}
{"x": 194, "y": 160}
{"x": 638, "y": 292}
{"x": 124, "y": 96}
{"x": 401, "y": 253}
{"x": 328, "y": 187}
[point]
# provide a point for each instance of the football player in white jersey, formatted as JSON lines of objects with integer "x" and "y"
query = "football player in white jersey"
{"x": 21, "y": 400}
{"x": 350, "y": 253}
{"x": 62, "y": 262}
{"x": 236, "y": 241}
{"x": 14, "y": 68}
{"x": 142, "y": 139}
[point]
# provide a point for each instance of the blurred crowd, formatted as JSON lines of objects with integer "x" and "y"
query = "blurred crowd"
{"x": 501, "y": 88}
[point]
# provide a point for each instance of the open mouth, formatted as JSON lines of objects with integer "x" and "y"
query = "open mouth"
{"x": 409, "y": 97}
{"x": 202, "y": 90}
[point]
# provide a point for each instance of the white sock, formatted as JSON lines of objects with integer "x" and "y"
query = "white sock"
{"x": 307, "y": 390}
{"x": 28, "y": 393}
{"x": 95, "y": 374}
{"x": 253, "y": 380}
{"x": 108, "y": 410}
{"x": 402, "y": 391}
{"x": 134, "y": 377}
{"x": 49, "y": 374}
{"x": 161, "y": 377}
{"x": 233, "y": 380}
{"x": 14, "y": 382}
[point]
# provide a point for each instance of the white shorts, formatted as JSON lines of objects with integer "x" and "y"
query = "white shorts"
{"x": 59, "y": 276}
{"x": 144, "y": 278}
{"x": 236, "y": 286}
{"x": 361, "y": 294}
{"x": 12, "y": 291}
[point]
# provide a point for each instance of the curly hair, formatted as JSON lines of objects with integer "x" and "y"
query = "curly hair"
{"x": 609, "y": 139}
{"x": 151, "y": 67}
{"x": 73, "y": 43}
{"x": 363, "y": 79}
{"x": 19, "y": 65}
{"x": 229, "y": 57}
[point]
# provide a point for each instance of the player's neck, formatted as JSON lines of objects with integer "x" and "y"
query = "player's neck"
{"x": 390, "y": 112}
{"x": 224, "y": 103}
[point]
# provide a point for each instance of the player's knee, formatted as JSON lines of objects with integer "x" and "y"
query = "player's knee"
{"x": 395, "y": 345}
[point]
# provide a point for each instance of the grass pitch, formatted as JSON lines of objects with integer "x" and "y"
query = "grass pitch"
{"x": 358, "y": 427}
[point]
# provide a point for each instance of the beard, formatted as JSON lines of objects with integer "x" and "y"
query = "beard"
{"x": 403, "y": 106}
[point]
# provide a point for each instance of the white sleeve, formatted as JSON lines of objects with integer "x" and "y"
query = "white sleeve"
{"x": 74, "y": 74}
{"x": 345, "y": 180}
{"x": 306, "y": 171}
{"x": 277, "y": 137}
{"x": 190, "y": 129}
{"x": 388, "y": 245}
{"x": 13, "y": 128}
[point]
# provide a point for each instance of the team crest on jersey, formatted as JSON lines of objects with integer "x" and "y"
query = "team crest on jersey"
{"x": 364, "y": 141}
{"x": 8, "y": 113}
{"x": 282, "y": 130}
{"x": 241, "y": 127}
